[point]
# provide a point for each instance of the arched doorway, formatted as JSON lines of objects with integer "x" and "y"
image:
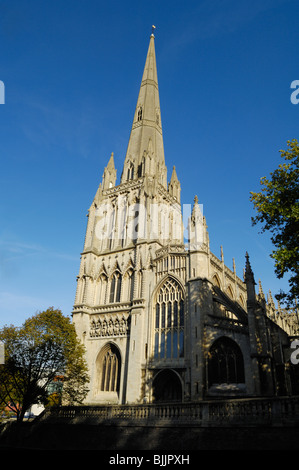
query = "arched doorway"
{"x": 167, "y": 387}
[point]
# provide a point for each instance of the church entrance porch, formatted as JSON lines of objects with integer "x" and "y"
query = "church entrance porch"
{"x": 167, "y": 387}
{"x": 226, "y": 374}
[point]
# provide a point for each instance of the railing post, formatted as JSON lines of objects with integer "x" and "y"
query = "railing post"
{"x": 205, "y": 413}
{"x": 276, "y": 414}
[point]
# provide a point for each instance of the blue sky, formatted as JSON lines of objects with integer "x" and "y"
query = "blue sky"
{"x": 72, "y": 71}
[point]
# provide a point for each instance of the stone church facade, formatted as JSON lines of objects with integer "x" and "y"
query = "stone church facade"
{"x": 162, "y": 318}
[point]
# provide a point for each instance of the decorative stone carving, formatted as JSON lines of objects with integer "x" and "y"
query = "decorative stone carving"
{"x": 114, "y": 325}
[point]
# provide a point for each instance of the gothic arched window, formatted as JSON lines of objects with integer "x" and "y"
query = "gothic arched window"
{"x": 241, "y": 300}
{"x": 130, "y": 284}
{"x": 141, "y": 168}
{"x": 216, "y": 281}
{"x": 100, "y": 298}
{"x": 229, "y": 292}
{"x": 109, "y": 369}
{"x": 169, "y": 321}
{"x": 225, "y": 362}
{"x": 115, "y": 287}
{"x": 130, "y": 172}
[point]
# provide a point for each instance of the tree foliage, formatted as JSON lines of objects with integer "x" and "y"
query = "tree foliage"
{"x": 44, "y": 348}
{"x": 277, "y": 206}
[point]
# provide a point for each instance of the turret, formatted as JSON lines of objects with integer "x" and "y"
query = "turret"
{"x": 109, "y": 176}
{"x": 174, "y": 187}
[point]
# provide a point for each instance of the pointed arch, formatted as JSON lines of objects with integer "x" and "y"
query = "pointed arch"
{"x": 242, "y": 301}
{"x": 230, "y": 292}
{"x": 115, "y": 287}
{"x": 164, "y": 279}
{"x": 167, "y": 386}
{"x": 108, "y": 368}
{"x": 129, "y": 264}
{"x": 115, "y": 267}
{"x": 225, "y": 362}
{"x": 102, "y": 270}
{"x": 216, "y": 280}
{"x": 101, "y": 289}
{"x": 130, "y": 170}
{"x": 129, "y": 283}
{"x": 168, "y": 319}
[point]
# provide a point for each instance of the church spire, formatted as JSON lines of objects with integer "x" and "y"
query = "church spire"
{"x": 145, "y": 152}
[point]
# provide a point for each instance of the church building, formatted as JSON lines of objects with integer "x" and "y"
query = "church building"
{"x": 162, "y": 318}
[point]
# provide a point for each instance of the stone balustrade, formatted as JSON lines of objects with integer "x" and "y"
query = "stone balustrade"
{"x": 247, "y": 412}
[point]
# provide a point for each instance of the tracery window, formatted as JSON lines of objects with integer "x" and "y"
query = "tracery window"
{"x": 130, "y": 172}
{"x": 115, "y": 288}
{"x": 169, "y": 321}
{"x": 225, "y": 362}
{"x": 109, "y": 362}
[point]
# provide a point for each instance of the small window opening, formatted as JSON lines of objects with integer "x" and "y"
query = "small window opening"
{"x": 139, "y": 114}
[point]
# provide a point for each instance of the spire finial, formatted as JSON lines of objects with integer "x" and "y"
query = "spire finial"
{"x": 261, "y": 292}
{"x": 153, "y": 29}
{"x": 248, "y": 271}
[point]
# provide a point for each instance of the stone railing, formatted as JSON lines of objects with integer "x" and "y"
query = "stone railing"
{"x": 243, "y": 412}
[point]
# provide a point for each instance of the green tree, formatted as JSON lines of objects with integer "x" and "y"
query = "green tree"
{"x": 277, "y": 206}
{"x": 43, "y": 348}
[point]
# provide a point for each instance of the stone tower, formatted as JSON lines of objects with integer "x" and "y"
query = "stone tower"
{"x": 127, "y": 225}
{"x": 162, "y": 318}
